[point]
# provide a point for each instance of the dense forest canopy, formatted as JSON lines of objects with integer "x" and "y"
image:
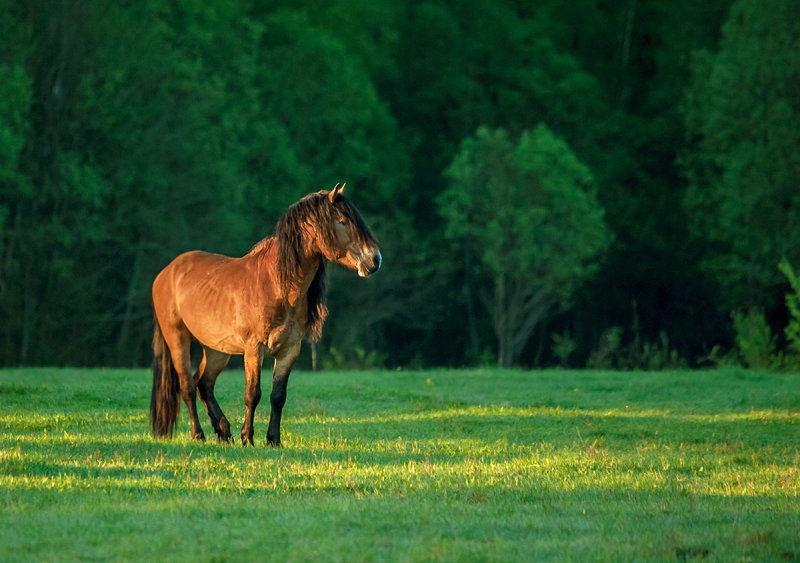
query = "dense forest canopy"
{"x": 652, "y": 191}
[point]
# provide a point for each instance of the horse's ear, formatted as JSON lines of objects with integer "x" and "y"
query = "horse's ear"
{"x": 336, "y": 191}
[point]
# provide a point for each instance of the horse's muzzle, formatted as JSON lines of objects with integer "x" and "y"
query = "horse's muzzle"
{"x": 369, "y": 264}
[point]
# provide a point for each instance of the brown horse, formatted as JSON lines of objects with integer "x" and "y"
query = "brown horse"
{"x": 263, "y": 303}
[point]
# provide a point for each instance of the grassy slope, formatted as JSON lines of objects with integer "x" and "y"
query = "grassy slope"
{"x": 443, "y": 465}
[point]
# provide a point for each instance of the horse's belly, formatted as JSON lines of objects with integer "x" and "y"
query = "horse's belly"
{"x": 226, "y": 344}
{"x": 211, "y": 317}
{"x": 219, "y": 336}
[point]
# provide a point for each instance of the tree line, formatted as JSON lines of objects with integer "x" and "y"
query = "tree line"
{"x": 584, "y": 183}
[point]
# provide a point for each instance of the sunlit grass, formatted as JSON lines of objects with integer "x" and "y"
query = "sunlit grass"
{"x": 445, "y": 465}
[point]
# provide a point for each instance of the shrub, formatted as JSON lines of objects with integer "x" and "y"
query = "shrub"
{"x": 358, "y": 359}
{"x": 658, "y": 356}
{"x": 607, "y": 349}
{"x": 563, "y": 347}
{"x": 754, "y": 340}
{"x": 792, "y": 330}
{"x": 718, "y": 357}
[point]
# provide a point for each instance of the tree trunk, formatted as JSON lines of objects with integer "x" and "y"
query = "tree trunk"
{"x": 28, "y": 317}
{"x": 130, "y": 301}
{"x": 517, "y": 310}
{"x": 473, "y": 353}
{"x": 501, "y": 322}
{"x": 313, "y": 356}
{"x": 625, "y": 89}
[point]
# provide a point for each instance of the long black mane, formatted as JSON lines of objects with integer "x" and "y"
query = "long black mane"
{"x": 317, "y": 211}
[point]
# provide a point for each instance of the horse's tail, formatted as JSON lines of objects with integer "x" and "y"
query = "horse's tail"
{"x": 165, "y": 400}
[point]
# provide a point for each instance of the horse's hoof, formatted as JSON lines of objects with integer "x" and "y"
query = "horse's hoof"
{"x": 200, "y": 436}
{"x": 224, "y": 431}
{"x": 275, "y": 443}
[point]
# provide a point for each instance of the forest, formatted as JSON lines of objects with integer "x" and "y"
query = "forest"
{"x": 581, "y": 184}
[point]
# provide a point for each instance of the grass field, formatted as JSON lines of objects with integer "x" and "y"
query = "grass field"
{"x": 467, "y": 465}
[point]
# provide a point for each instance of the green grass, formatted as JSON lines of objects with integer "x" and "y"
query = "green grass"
{"x": 468, "y": 465}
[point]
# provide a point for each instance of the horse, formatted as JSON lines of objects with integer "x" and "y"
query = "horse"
{"x": 262, "y": 304}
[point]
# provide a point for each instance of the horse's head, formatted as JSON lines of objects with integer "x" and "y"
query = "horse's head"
{"x": 322, "y": 225}
{"x": 347, "y": 239}
{"x": 325, "y": 224}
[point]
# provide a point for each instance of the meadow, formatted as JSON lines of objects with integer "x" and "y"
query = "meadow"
{"x": 445, "y": 465}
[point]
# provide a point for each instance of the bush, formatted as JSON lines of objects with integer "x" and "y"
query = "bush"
{"x": 792, "y": 330}
{"x": 651, "y": 356}
{"x": 604, "y": 357}
{"x": 755, "y": 341}
{"x": 718, "y": 357}
{"x": 563, "y": 347}
{"x": 359, "y": 360}
{"x": 658, "y": 356}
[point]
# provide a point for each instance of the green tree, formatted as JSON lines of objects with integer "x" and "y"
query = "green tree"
{"x": 462, "y": 65}
{"x": 530, "y": 215}
{"x": 743, "y": 122}
{"x": 792, "y": 330}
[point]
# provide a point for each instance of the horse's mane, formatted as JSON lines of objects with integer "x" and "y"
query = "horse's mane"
{"x": 316, "y": 210}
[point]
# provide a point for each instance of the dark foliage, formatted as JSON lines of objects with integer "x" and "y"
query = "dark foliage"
{"x": 132, "y": 132}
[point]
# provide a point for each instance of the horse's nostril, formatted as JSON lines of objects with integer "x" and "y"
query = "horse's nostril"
{"x": 376, "y": 262}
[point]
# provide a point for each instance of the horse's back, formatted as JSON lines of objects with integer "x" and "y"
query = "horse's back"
{"x": 187, "y": 271}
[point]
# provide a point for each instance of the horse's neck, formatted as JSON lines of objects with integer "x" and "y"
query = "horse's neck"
{"x": 308, "y": 271}
{"x": 267, "y": 256}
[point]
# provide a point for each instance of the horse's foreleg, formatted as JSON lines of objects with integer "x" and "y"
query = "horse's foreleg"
{"x": 280, "y": 377}
{"x": 252, "y": 393}
{"x": 210, "y": 367}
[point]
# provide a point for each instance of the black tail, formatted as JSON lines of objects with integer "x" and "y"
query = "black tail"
{"x": 165, "y": 399}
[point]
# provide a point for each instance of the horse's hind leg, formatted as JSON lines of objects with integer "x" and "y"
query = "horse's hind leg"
{"x": 179, "y": 341}
{"x": 210, "y": 367}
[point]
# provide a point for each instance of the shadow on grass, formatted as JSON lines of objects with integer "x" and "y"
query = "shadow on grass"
{"x": 446, "y": 437}
{"x": 683, "y": 526}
